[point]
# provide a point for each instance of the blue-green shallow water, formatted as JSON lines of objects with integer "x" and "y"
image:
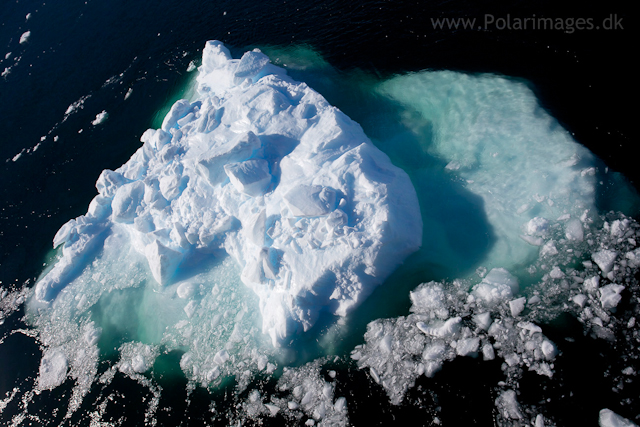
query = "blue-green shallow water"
{"x": 76, "y": 48}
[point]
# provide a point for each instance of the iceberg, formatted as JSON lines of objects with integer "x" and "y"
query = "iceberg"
{"x": 264, "y": 169}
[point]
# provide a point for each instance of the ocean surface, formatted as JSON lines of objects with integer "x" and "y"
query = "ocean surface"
{"x": 64, "y": 63}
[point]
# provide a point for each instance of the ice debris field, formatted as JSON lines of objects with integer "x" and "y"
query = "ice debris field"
{"x": 258, "y": 211}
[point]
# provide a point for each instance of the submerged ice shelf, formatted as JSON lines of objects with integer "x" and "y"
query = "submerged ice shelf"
{"x": 263, "y": 168}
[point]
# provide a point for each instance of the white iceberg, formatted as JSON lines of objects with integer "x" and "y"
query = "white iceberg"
{"x": 264, "y": 168}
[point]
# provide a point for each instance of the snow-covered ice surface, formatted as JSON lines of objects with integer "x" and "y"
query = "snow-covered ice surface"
{"x": 263, "y": 168}
{"x": 257, "y": 208}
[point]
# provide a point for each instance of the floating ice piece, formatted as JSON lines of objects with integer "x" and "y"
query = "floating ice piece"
{"x": 605, "y": 259}
{"x": 537, "y": 226}
{"x": 573, "y": 230}
{"x": 483, "y": 320}
{"x": 264, "y": 168}
{"x": 430, "y": 298}
{"x": 498, "y": 285}
{"x": 53, "y": 369}
{"x": 508, "y": 405}
{"x": 441, "y": 329}
{"x": 610, "y": 295}
{"x": 25, "y": 37}
{"x": 549, "y": 349}
{"x": 556, "y": 273}
{"x": 100, "y": 118}
{"x": 608, "y": 418}
{"x": 136, "y": 358}
{"x": 468, "y": 346}
{"x": 517, "y": 306}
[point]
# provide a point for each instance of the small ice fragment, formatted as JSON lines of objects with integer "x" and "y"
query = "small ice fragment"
{"x": 221, "y": 357}
{"x": 483, "y": 320}
{"x": 580, "y": 300}
{"x": 468, "y": 346}
{"x": 537, "y": 226}
{"x": 53, "y": 369}
{"x": 516, "y": 306}
{"x": 610, "y": 295}
{"x": 191, "y": 67}
{"x": 608, "y": 418}
{"x": 508, "y": 405}
{"x": 496, "y": 286}
{"x": 100, "y": 118}
{"x": 533, "y": 241}
{"x": 429, "y": 298}
{"x": 549, "y": 249}
{"x": 452, "y": 166}
{"x": 539, "y": 421}
{"x": 186, "y": 290}
{"x": 574, "y": 231}
{"x": 340, "y": 404}
{"x": 549, "y": 349}
{"x": 441, "y": 330}
{"x": 374, "y": 375}
{"x": 487, "y": 352}
{"x": 556, "y": 273}
{"x": 605, "y": 259}
{"x": 25, "y": 37}
{"x": 190, "y": 308}
{"x": 273, "y": 409}
{"x": 213, "y": 374}
{"x": 591, "y": 284}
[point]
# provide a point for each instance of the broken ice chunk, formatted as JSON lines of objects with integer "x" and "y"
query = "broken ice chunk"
{"x": 605, "y": 259}
{"x": 126, "y": 202}
{"x": 251, "y": 64}
{"x": 483, "y": 320}
{"x": 496, "y": 286}
{"x": 310, "y": 200}
{"x": 238, "y": 149}
{"x": 516, "y": 306}
{"x": 574, "y": 230}
{"x": 537, "y": 226}
{"x": 610, "y": 295}
{"x": 163, "y": 261}
{"x": 608, "y": 418}
{"x": 251, "y": 177}
{"x": 53, "y": 369}
{"x": 441, "y": 329}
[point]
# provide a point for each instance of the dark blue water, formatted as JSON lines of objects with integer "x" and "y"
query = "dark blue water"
{"x": 98, "y": 50}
